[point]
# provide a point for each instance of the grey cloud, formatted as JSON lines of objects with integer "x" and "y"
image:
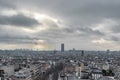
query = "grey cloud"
{"x": 15, "y": 41}
{"x": 18, "y": 20}
{"x": 69, "y": 32}
{"x": 90, "y": 31}
{"x": 51, "y": 24}
{"x": 81, "y": 14}
{"x": 113, "y": 38}
{"x": 9, "y": 36}
{"x": 52, "y": 34}
{"x": 12, "y": 39}
{"x": 19, "y": 36}
{"x": 84, "y": 31}
{"x": 78, "y": 12}
{"x": 115, "y": 29}
{"x": 82, "y": 11}
{"x": 7, "y": 4}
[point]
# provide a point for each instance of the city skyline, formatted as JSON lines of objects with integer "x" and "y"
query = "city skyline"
{"x": 45, "y": 24}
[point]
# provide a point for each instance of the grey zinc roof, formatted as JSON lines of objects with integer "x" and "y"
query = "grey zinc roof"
{"x": 105, "y": 78}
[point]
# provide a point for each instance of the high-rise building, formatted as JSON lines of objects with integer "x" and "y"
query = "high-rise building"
{"x": 82, "y": 53}
{"x": 62, "y": 47}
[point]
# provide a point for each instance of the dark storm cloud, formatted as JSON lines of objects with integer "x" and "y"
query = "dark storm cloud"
{"x": 18, "y": 20}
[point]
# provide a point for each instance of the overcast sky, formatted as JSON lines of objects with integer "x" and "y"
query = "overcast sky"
{"x": 45, "y": 24}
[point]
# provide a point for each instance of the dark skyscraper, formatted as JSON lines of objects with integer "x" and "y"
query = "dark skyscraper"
{"x": 62, "y": 47}
{"x": 82, "y": 53}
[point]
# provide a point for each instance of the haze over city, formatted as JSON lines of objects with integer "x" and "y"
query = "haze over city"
{"x": 45, "y": 24}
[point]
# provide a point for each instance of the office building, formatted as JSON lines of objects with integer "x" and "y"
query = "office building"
{"x": 62, "y": 47}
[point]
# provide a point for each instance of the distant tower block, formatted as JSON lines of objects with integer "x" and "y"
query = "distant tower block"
{"x": 62, "y": 47}
{"x": 108, "y": 51}
{"x": 82, "y": 53}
